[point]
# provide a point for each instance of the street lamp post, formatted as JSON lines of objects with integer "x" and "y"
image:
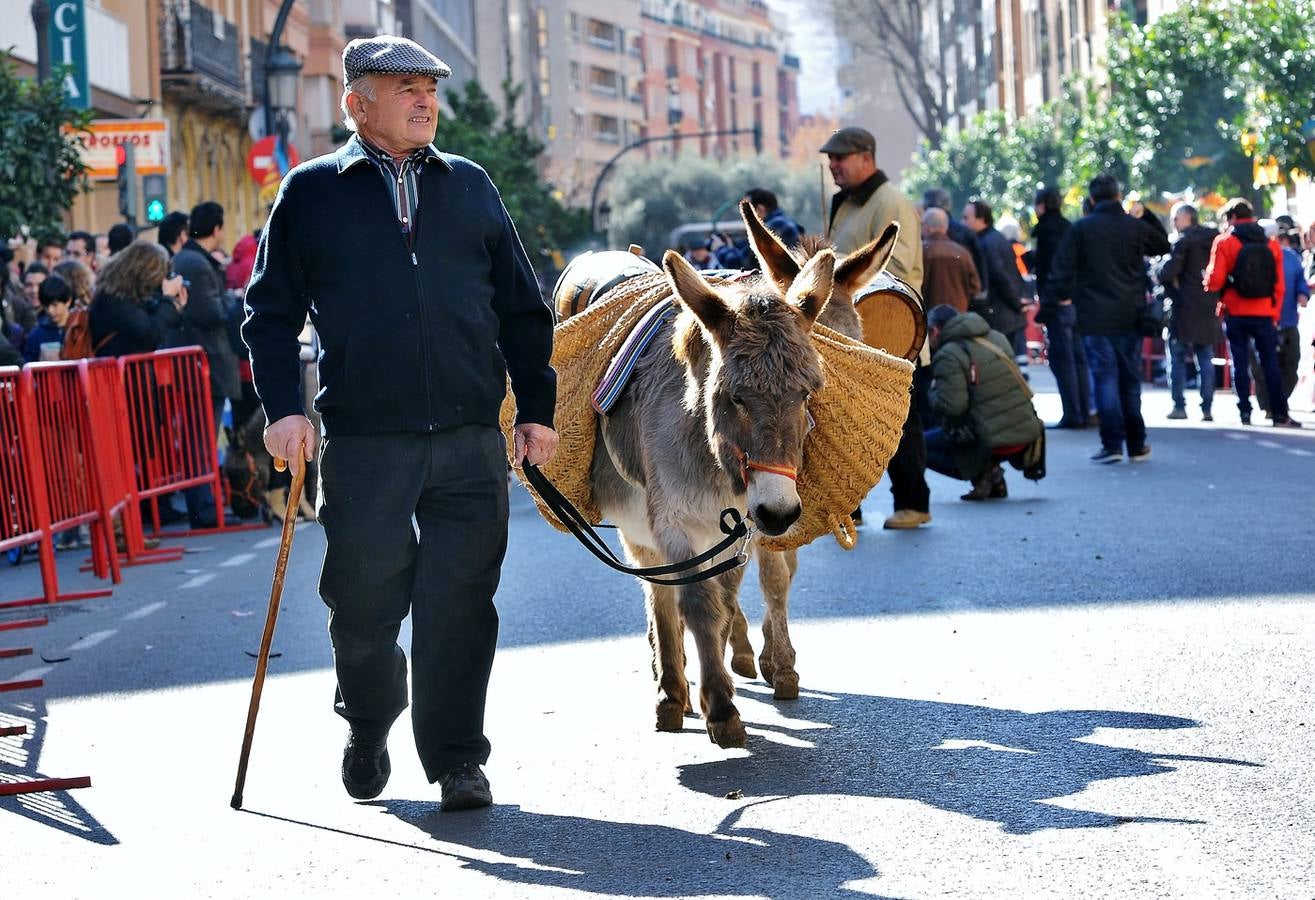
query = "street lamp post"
{"x": 41, "y": 20}
{"x": 282, "y": 77}
{"x": 282, "y": 73}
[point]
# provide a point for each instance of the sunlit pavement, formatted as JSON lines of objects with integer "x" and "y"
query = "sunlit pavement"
{"x": 1099, "y": 687}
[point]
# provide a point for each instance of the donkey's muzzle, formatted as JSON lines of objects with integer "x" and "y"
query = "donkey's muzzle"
{"x": 772, "y": 521}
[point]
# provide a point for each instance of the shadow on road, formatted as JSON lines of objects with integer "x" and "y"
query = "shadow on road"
{"x": 996, "y": 765}
{"x": 19, "y": 758}
{"x": 625, "y": 858}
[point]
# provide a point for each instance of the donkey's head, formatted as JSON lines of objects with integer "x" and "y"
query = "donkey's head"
{"x": 750, "y": 368}
{"x": 852, "y": 273}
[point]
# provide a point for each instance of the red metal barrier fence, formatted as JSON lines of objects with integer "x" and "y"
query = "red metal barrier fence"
{"x": 108, "y": 429}
{"x": 172, "y": 425}
{"x": 33, "y": 506}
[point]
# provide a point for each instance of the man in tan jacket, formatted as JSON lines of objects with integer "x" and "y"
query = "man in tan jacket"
{"x": 860, "y": 211}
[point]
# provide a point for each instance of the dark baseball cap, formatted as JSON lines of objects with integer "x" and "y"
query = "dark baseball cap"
{"x": 850, "y": 140}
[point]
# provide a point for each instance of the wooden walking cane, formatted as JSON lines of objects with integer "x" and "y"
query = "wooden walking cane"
{"x": 275, "y": 594}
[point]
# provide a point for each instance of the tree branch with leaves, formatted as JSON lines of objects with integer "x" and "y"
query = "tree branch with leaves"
{"x": 41, "y": 168}
{"x": 896, "y": 32}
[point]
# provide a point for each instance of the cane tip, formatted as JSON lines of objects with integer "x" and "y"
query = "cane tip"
{"x": 236, "y": 802}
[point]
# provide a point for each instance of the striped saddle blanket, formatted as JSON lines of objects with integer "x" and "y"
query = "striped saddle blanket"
{"x": 623, "y": 364}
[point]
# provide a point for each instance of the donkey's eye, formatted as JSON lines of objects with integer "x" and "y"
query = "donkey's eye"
{"x": 737, "y": 399}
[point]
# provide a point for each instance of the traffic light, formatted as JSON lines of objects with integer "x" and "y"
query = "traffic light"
{"x": 125, "y": 155}
{"x": 154, "y": 188}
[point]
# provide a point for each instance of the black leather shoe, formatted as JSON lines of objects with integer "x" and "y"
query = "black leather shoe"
{"x": 365, "y": 765}
{"x": 465, "y": 787}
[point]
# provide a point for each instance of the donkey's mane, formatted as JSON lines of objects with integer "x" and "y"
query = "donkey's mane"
{"x": 809, "y": 246}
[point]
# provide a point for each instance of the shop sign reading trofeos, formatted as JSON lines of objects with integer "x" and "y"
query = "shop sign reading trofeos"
{"x": 149, "y": 139}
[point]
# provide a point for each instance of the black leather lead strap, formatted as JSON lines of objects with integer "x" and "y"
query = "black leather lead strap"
{"x": 732, "y": 525}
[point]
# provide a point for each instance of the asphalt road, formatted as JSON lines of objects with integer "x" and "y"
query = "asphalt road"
{"x": 1099, "y": 687}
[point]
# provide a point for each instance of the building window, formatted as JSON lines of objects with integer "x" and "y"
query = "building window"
{"x": 607, "y": 129}
{"x": 573, "y": 22}
{"x": 604, "y": 82}
{"x": 575, "y": 76}
{"x": 603, "y": 35}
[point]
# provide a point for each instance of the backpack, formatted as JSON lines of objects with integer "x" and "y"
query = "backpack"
{"x": 1254, "y": 274}
{"x": 77, "y": 336}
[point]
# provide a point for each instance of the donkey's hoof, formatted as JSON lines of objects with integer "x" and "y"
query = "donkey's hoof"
{"x": 670, "y": 715}
{"x": 765, "y": 666}
{"x": 742, "y": 665}
{"x": 729, "y": 733}
{"x": 785, "y": 686}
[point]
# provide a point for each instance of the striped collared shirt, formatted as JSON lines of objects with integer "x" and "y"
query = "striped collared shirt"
{"x": 403, "y": 181}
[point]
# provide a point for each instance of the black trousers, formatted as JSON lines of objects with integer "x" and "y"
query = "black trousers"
{"x": 908, "y": 467}
{"x": 376, "y": 570}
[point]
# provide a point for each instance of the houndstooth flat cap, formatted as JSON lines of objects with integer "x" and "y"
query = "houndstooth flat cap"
{"x": 390, "y": 56}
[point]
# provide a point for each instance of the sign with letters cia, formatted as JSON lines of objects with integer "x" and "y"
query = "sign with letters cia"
{"x": 68, "y": 47}
{"x": 149, "y": 139}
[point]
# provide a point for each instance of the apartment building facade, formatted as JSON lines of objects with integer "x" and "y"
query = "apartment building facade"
{"x": 717, "y": 66}
{"x": 601, "y": 75}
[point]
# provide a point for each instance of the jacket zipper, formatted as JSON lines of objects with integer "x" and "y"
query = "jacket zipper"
{"x": 408, "y": 242}
{"x": 424, "y": 341}
{"x": 411, "y": 241}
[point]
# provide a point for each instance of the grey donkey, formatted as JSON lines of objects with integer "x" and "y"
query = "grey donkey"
{"x": 715, "y": 416}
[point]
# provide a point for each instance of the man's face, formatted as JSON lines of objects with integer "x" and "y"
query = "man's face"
{"x": 700, "y": 254}
{"x": 849, "y": 170}
{"x": 1182, "y": 222}
{"x": 78, "y": 251}
{"x": 404, "y": 114}
{"x": 31, "y": 284}
{"x": 970, "y": 217}
{"x": 51, "y": 255}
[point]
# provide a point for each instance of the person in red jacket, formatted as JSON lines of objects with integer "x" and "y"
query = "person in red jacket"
{"x": 1247, "y": 266}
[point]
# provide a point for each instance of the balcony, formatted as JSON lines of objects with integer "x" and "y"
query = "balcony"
{"x": 200, "y": 56}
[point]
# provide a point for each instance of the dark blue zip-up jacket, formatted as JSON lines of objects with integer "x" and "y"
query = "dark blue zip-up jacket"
{"x": 416, "y": 335}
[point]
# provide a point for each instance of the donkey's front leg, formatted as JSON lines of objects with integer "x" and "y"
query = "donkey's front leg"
{"x": 666, "y": 636}
{"x": 775, "y": 571}
{"x": 741, "y": 649}
{"x": 708, "y": 618}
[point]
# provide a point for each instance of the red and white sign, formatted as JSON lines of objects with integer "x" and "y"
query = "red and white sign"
{"x": 261, "y": 162}
{"x": 149, "y": 139}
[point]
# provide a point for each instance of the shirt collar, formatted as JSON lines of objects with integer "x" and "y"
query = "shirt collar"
{"x": 861, "y": 193}
{"x": 357, "y": 150}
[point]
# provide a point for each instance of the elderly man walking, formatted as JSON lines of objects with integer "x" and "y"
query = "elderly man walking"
{"x": 424, "y": 300}
{"x": 860, "y": 211}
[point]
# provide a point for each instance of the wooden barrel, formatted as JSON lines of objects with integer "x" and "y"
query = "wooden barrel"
{"x": 591, "y": 275}
{"x": 892, "y": 316}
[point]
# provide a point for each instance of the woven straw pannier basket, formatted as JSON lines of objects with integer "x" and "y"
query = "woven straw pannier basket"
{"x": 859, "y": 415}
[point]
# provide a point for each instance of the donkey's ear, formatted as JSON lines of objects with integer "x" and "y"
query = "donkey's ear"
{"x": 812, "y": 289}
{"x": 861, "y": 266}
{"x": 776, "y": 261}
{"x": 694, "y": 293}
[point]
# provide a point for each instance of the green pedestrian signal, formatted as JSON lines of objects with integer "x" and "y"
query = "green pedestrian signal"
{"x": 154, "y": 188}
